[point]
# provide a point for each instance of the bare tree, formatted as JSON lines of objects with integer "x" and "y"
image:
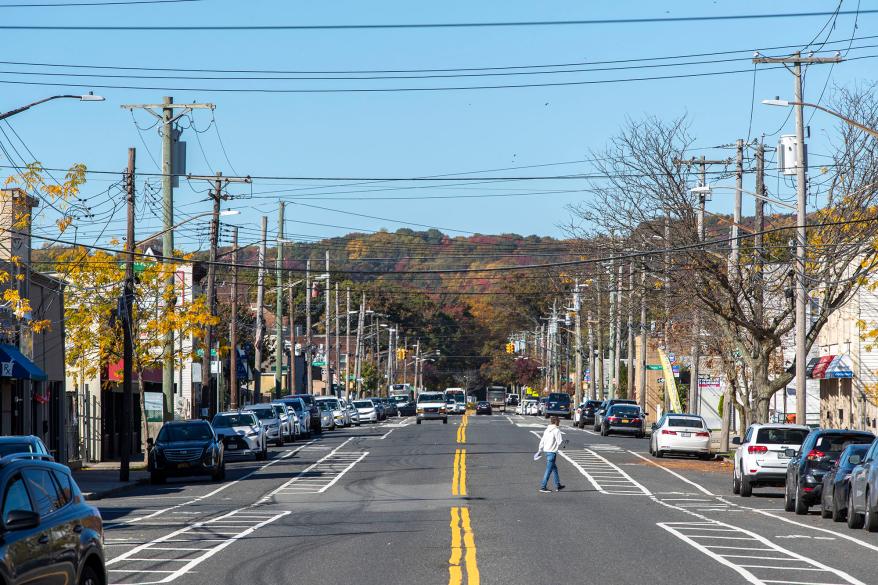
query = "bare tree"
{"x": 642, "y": 186}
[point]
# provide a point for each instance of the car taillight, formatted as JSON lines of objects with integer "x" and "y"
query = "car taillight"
{"x": 702, "y": 434}
{"x": 757, "y": 449}
{"x": 814, "y": 455}
{"x": 667, "y": 432}
{"x": 612, "y": 419}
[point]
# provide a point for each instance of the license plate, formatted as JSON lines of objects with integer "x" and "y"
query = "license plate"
{"x": 232, "y": 447}
{"x": 182, "y": 465}
{"x": 625, "y": 420}
{"x": 782, "y": 455}
{"x": 685, "y": 434}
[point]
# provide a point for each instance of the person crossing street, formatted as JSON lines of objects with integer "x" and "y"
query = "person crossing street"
{"x": 551, "y": 441}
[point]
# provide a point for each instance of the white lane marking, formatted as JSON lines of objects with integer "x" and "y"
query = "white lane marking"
{"x": 197, "y": 499}
{"x": 301, "y": 476}
{"x": 346, "y": 469}
{"x": 696, "y": 540}
{"x": 190, "y": 562}
{"x": 700, "y": 488}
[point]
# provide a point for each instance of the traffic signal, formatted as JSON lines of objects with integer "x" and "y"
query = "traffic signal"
{"x": 510, "y": 347}
{"x": 400, "y": 354}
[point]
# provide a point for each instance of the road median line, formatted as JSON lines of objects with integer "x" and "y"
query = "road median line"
{"x": 463, "y": 549}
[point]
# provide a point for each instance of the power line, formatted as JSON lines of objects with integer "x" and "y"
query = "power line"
{"x": 437, "y": 25}
{"x": 93, "y": 4}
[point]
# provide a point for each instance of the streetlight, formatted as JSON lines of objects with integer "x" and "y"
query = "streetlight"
{"x": 786, "y": 104}
{"x": 223, "y": 213}
{"x": 89, "y": 97}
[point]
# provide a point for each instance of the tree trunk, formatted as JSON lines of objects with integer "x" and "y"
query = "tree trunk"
{"x": 763, "y": 387}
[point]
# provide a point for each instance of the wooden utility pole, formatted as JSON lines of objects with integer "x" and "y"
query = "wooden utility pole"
{"x": 630, "y": 379}
{"x": 347, "y": 349}
{"x": 309, "y": 374}
{"x": 127, "y": 326}
{"x": 360, "y": 348}
{"x": 327, "y": 375}
{"x": 279, "y": 304}
{"x": 577, "y": 308}
{"x": 337, "y": 341}
{"x": 291, "y": 296}
{"x": 233, "y": 326}
{"x": 260, "y": 304}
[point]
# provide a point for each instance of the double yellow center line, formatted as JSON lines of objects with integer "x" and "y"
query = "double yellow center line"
{"x": 463, "y": 544}
{"x": 463, "y": 549}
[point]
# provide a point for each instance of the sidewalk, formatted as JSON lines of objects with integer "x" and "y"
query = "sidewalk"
{"x": 101, "y": 480}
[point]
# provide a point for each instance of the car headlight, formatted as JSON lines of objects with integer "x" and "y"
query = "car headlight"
{"x": 420, "y": 410}
{"x": 253, "y": 434}
{"x": 442, "y": 409}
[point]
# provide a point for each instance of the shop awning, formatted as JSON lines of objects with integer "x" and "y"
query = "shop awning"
{"x": 820, "y": 367}
{"x": 840, "y": 367}
{"x": 832, "y": 366}
{"x": 13, "y": 364}
{"x": 809, "y": 368}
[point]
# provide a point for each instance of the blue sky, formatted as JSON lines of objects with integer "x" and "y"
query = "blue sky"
{"x": 398, "y": 134}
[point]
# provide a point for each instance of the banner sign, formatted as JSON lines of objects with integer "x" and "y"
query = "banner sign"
{"x": 670, "y": 384}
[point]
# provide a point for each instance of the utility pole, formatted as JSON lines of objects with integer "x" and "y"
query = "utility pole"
{"x": 233, "y": 326}
{"x": 592, "y": 372}
{"x": 127, "y": 326}
{"x": 337, "y": 342}
{"x": 347, "y": 347}
{"x": 327, "y": 376}
{"x": 631, "y": 352}
{"x": 577, "y": 308}
{"x": 641, "y": 397}
{"x": 617, "y": 342}
{"x": 291, "y": 300}
{"x": 418, "y": 365}
{"x": 219, "y": 181}
{"x": 168, "y": 113}
{"x": 279, "y": 303}
{"x": 599, "y": 368}
{"x": 796, "y": 60}
{"x": 260, "y": 302}
{"x": 361, "y": 319}
{"x": 613, "y": 333}
{"x": 758, "y": 256}
{"x": 309, "y": 389}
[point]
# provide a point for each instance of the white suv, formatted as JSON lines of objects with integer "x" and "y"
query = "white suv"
{"x": 760, "y": 459}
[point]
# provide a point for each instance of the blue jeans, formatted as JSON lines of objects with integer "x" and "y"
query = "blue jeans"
{"x": 551, "y": 469}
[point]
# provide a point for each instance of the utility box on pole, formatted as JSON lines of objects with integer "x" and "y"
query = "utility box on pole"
{"x": 786, "y": 155}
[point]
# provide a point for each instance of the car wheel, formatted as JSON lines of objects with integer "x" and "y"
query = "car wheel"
{"x": 855, "y": 520}
{"x": 870, "y": 518}
{"x": 746, "y": 486}
{"x": 279, "y": 442}
{"x": 640, "y": 435}
{"x": 156, "y": 478}
{"x": 220, "y": 473}
{"x": 604, "y": 432}
{"x": 824, "y": 511}
{"x": 658, "y": 453}
{"x": 418, "y": 421}
{"x": 445, "y": 421}
{"x": 705, "y": 456}
{"x": 89, "y": 576}
{"x": 838, "y": 513}
{"x": 789, "y": 504}
{"x": 736, "y": 483}
{"x": 801, "y": 508}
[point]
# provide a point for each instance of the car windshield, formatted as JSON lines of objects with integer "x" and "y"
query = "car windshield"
{"x": 593, "y": 403}
{"x": 309, "y": 400}
{"x": 855, "y": 450}
{"x": 363, "y": 403}
{"x": 431, "y": 398}
{"x": 278, "y": 409}
{"x": 331, "y": 403}
{"x": 401, "y": 398}
{"x": 559, "y": 397}
{"x": 835, "y": 443}
{"x": 625, "y": 411}
{"x": 295, "y": 405}
{"x": 233, "y": 420}
{"x": 265, "y": 413}
{"x": 686, "y": 423}
{"x": 781, "y": 436}
{"x": 187, "y": 432}
{"x": 10, "y": 448}
{"x": 324, "y": 406}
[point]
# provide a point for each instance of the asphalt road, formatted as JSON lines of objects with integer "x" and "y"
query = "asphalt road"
{"x": 458, "y": 504}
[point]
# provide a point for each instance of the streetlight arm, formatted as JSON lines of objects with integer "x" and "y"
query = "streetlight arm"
{"x": 11, "y": 113}
{"x": 870, "y": 131}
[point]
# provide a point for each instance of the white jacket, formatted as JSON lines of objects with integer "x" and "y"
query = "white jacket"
{"x": 552, "y": 439}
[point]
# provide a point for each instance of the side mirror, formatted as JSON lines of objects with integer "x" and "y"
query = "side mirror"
{"x": 150, "y": 443}
{"x": 220, "y": 437}
{"x": 22, "y": 520}
{"x": 855, "y": 459}
{"x": 790, "y": 453}
{"x": 736, "y": 440}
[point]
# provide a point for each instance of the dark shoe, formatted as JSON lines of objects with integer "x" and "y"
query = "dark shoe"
{"x": 545, "y": 491}
{"x": 560, "y": 487}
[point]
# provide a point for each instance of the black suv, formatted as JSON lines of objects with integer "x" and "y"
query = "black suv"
{"x": 806, "y": 468}
{"x": 601, "y": 410}
{"x": 313, "y": 409}
{"x": 586, "y": 412}
{"x": 50, "y": 535}
{"x": 186, "y": 447}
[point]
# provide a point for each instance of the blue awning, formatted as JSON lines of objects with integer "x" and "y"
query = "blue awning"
{"x": 13, "y": 364}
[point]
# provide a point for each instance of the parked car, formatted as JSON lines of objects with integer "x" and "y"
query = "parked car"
{"x": 186, "y": 447}
{"x": 308, "y": 399}
{"x": 623, "y": 418}
{"x": 303, "y": 413}
{"x": 353, "y": 413}
{"x": 808, "y": 465}
{"x": 379, "y": 409}
{"x": 287, "y": 424}
{"x": 390, "y": 407}
{"x": 602, "y": 409}
{"x": 432, "y": 406}
{"x": 863, "y": 495}
{"x": 327, "y": 415}
{"x": 558, "y": 404}
{"x": 408, "y": 408}
{"x": 584, "y": 413}
{"x": 339, "y": 415}
{"x": 22, "y": 444}
{"x": 528, "y": 406}
{"x": 541, "y": 405}
{"x": 242, "y": 433}
{"x": 761, "y": 459}
{"x": 268, "y": 416}
{"x": 50, "y": 533}
{"x": 680, "y": 433}
{"x": 837, "y": 483}
{"x": 367, "y": 410}
{"x": 483, "y": 407}
{"x": 512, "y": 400}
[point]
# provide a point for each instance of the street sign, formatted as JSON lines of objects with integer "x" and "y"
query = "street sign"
{"x": 653, "y": 366}
{"x": 672, "y": 357}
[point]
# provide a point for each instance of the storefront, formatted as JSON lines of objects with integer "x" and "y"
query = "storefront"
{"x": 26, "y": 399}
{"x": 842, "y": 404}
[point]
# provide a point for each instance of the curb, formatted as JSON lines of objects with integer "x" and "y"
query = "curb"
{"x": 113, "y": 491}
